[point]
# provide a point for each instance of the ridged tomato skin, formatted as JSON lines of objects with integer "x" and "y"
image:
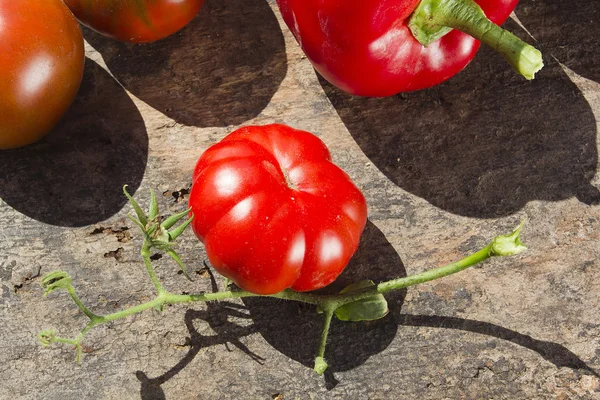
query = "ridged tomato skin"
{"x": 273, "y": 211}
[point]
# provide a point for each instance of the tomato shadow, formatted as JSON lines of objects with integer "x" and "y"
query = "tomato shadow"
{"x": 484, "y": 143}
{"x": 567, "y": 30}
{"x": 74, "y": 176}
{"x": 222, "y": 69}
{"x": 294, "y": 329}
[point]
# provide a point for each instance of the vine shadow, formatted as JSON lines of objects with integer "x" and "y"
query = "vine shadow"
{"x": 216, "y": 315}
{"x": 294, "y": 328}
{"x": 485, "y": 142}
{"x": 221, "y": 69}
{"x": 75, "y": 175}
{"x": 567, "y": 30}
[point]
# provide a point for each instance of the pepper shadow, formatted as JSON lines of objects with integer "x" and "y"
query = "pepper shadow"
{"x": 294, "y": 329}
{"x": 222, "y": 69}
{"x": 485, "y": 142}
{"x": 567, "y": 30}
{"x": 74, "y": 176}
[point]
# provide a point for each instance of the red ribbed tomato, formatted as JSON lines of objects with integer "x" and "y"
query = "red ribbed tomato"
{"x": 136, "y": 21}
{"x": 41, "y": 66}
{"x": 274, "y": 212}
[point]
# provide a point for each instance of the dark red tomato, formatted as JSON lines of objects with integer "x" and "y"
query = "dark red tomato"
{"x": 274, "y": 212}
{"x": 136, "y": 21}
{"x": 41, "y": 66}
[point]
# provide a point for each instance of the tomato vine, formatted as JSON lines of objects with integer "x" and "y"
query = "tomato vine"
{"x": 359, "y": 301}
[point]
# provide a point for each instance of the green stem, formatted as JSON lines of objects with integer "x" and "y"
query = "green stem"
{"x": 168, "y": 298}
{"x": 79, "y": 304}
{"x": 320, "y": 363}
{"x": 74, "y": 342}
{"x": 401, "y": 283}
{"x": 503, "y": 245}
{"x": 436, "y": 273}
{"x": 432, "y": 19}
{"x": 156, "y": 302}
{"x": 145, "y": 253}
{"x": 327, "y": 302}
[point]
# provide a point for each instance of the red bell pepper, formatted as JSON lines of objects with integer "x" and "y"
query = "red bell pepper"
{"x": 383, "y": 47}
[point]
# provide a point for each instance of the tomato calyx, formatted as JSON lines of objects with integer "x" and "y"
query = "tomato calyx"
{"x": 288, "y": 180}
{"x": 157, "y": 233}
{"x": 278, "y": 171}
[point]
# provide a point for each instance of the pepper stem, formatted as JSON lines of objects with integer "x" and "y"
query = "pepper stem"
{"x": 432, "y": 19}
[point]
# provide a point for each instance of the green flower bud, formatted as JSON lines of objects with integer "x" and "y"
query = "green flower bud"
{"x": 508, "y": 245}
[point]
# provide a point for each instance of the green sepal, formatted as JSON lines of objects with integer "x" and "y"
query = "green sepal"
{"x": 138, "y": 210}
{"x": 368, "y": 309}
{"x": 138, "y": 223}
{"x": 153, "y": 207}
{"x": 423, "y": 25}
{"x": 160, "y": 234}
{"x": 173, "y": 219}
{"x": 175, "y": 233}
{"x": 152, "y": 229}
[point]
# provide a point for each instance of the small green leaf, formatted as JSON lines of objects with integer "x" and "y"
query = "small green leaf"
{"x": 368, "y": 309}
{"x": 55, "y": 280}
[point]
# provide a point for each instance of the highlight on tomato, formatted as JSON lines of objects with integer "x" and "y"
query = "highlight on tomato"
{"x": 273, "y": 210}
{"x": 135, "y": 21}
{"x": 41, "y": 67}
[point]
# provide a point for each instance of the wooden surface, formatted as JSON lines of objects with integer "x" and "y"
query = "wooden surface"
{"x": 444, "y": 170}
